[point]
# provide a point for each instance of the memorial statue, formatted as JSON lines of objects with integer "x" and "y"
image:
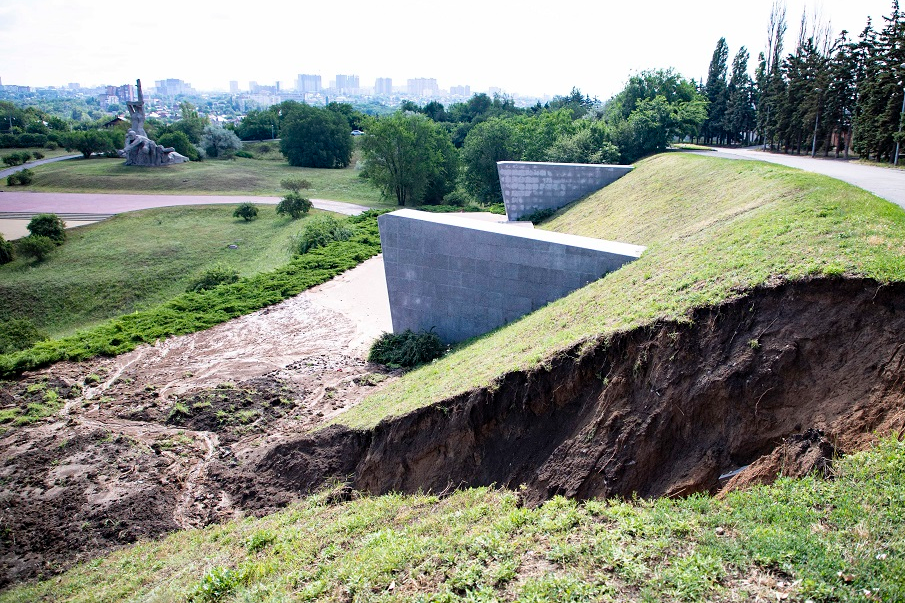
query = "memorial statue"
{"x": 139, "y": 149}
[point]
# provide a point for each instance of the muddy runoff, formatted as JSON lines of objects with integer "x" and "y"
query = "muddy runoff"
{"x": 781, "y": 379}
{"x": 789, "y": 374}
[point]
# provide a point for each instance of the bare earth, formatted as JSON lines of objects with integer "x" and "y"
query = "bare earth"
{"x": 127, "y": 455}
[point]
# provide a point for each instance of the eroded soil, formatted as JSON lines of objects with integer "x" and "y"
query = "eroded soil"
{"x": 190, "y": 432}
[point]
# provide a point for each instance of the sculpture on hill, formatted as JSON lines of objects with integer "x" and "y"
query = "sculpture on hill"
{"x": 139, "y": 149}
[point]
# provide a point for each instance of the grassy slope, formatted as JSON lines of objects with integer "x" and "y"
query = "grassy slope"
{"x": 840, "y": 540}
{"x": 713, "y": 228}
{"x": 239, "y": 177}
{"x": 137, "y": 260}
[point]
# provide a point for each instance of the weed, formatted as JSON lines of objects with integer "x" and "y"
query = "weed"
{"x": 754, "y": 343}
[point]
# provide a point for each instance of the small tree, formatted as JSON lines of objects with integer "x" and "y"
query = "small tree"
{"x": 295, "y": 185}
{"x": 294, "y": 205}
{"x": 36, "y": 246}
{"x": 7, "y": 254}
{"x": 246, "y": 211}
{"x": 180, "y": 142}
{"x": 219, "y": 142}
{"x": 48, "y": 225}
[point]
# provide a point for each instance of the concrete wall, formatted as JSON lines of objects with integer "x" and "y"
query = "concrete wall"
{"x": 467, "y": 277}
{"x": 529, "y": 186}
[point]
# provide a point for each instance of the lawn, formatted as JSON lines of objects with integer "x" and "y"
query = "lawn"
{"x": 713, "y": 228}
{"x": 821, "y": 540}
{"x": 210, "y": 177}
{"x": 137, "y": 260}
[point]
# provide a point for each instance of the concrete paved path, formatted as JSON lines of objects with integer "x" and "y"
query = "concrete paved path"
{"x": 887, "y": 183}
{"x": 31, "y": 164}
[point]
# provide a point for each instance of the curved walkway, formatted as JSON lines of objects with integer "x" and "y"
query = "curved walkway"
{"x": 31, "y": 164}
{"x": 887, "y": 183}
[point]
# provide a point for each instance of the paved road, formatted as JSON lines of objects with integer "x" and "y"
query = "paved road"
{"x": 887, "y": 183}
{"x": 31, "y": 164}
{"x": 23, "y": 202}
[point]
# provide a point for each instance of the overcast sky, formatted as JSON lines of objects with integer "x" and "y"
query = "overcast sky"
{"x": 526, "y": 47}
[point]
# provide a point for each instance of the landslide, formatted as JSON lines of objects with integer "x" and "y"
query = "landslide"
{"x": 662, "y": 410}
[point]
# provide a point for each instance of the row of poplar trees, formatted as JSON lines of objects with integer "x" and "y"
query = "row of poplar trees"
{"x": 831, "y": 94}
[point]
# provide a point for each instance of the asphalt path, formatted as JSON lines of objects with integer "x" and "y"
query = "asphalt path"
{"x": 31, "y": 164}
{"x": 887, "y": 183}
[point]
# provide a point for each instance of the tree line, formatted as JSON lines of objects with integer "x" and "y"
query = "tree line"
{"x": 829, "y": 94}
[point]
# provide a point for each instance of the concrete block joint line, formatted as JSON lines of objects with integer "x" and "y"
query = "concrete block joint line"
{"x": 530, "y": 186}
{"x": 464, "y": 278}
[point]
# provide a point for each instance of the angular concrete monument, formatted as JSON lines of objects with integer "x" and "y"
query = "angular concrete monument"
{"x": 139, "y": 149}
{"x": 465, "y": 277}
{"x": 529, "y": 186}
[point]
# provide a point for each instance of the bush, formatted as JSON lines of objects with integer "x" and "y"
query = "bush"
{"x": 181, "y": 143}
{"x": 219, "y": 274}
{"x": 294, "y": 205}
{"x": 36, "y": 246}
{"x": 295, "y": 184}
{"x": 6, "y": 251}
{"x": 19, "y": 334}
{"x": 243, "y": 155}
{"x": 48, "y": 225}
{"x": 32, "y": 140}
{"x": 13, "y": 159}
{"x": 406, "y": 349}
{"x": 246, "y": 211}
{"x": 37, "y": 155}
{"x": 23, "y": 177}
{"x": 321, "y": 231}
{"x": 536, "y": 217}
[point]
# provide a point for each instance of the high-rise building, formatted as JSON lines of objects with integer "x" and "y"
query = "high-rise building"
{"x": 347, "y": 84}
{"x": 383, "y": 86}
{"x": 173, "y": 87}
{"x": 463, "y": 91}
{"x": 233, "y": 87}
{"x": 308, "y": 83}
{"x": 124, "y": 93}
{"x": 423, "y": 86}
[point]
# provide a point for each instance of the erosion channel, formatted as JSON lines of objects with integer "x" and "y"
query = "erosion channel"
{"x": 778, "y": 379}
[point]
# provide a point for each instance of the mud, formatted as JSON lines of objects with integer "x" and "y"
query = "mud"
{"x": 181, "y": 434}
{"x": 660, "y": 411}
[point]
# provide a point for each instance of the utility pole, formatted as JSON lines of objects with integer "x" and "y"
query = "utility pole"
{"x": 896, "y": 160}
{"x": 816, "y": 122}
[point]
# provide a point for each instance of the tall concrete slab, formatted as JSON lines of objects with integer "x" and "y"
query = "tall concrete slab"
{"x": 529, "y": 186}
{"x": 465, "y": 277}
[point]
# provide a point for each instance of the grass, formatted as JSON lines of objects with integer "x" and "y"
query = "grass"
{"x": 211, "y": 177}
{"x": 713, "y": 228}
{"x": 836, "y": 540}
{"x": 137, "y": 260}
{"x": 195, "y": 311}
{"x": 48, "y": 153}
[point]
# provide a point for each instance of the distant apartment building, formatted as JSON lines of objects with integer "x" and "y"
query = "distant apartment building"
{"x": 423, "y": 86}
{"x": 308, "y": 83}
{"x": 347, "y": 84}
{"x": 233, "y": 87}
{"x": 73, "y": 86}
{"x": 124, "y": 93}
{"x": 172, "y": 87}
{"x": 383, "y": 86}
{"x": 463, "y": 91}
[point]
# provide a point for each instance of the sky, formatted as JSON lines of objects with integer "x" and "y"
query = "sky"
{"x": 527, "y": 48}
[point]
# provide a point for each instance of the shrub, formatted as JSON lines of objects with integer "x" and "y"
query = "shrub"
{"x": 295, "y": 184}
{"x": 294, "y": 205}
{"x": 243, "y": 155}
{"x": 246, "y": 211}
{"x": 6, "y": 251}
{"x": 181, "y": 143}
{"x": 219, "y": 274}
{"x": 23, "y": 177}
{"x": 321, "y": 231}
{"x": 13, "y": 159}
{"x": 19, "y": 334}
{"x": 37, "y": 155}
{"x": 51, "y": 145}
{"x": 407, "y": 349}
{"x": 48, "y": 225}
{"x": 36, "y": 246}
{"x": 538, "y": 216}
{"x": 32, "y": 140}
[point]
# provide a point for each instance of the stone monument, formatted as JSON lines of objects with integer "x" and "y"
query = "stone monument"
{"x": 139, "y": 149}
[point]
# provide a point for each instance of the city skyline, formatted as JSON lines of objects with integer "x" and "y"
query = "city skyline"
{"x": 531, "y": 50}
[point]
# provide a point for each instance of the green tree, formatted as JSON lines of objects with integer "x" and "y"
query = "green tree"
{"x": 487, "y": 143}
{"x": 192, "y": 124}
{"x": 259, "y": 125}
{"x": 23, "y": 177}
{"x": 293, "y": 205}
{"x": 219, "y": 142}
{"x": 92, "y": 141}
{"x": 739, "y": 120}
{"x": 48, "y": 225}
{"x": 315, "y": 137}
{"x": 180, "y": 142}
{"x": 246, "y": 211}
{"x": 410, "y": 158}
{"x": 717, "y": 94}
{"x": 36, "y": 246}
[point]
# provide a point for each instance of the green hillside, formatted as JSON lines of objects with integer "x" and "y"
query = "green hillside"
{"x": 713, "y": 228}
